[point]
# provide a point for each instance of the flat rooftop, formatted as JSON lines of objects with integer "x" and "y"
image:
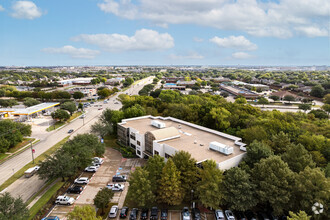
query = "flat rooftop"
{"x": 30, "y": 110}
{"x": 188, "y": 136}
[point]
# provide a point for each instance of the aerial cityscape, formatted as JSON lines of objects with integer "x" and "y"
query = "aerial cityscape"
{"x": 165, "y": 110}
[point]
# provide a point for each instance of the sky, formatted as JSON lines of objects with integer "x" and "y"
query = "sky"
{"x": 164, "y": 32}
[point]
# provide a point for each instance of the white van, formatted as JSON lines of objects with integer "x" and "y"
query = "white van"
{"x": 31, "y": 171}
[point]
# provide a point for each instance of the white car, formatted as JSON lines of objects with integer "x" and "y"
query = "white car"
{"x": 81, "y": 180}
{"x": 115, "y": 186}
{"x": 98, "y": 160}
{"x": 113, "y": 211}
{"x": 64, "y": 200}
{"x": 229, "y": 214}
{"x": 91, "y": 169}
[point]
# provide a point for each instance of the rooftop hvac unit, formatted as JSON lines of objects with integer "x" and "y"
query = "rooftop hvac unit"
{"x": 158, "y": 124}
{"x": 222, "y": 148}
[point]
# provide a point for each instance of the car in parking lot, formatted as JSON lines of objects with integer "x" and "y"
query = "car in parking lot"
{"x": 83, "y": 116}
{"x": 81, "y": 180}
{"x": 144, "y": 214}
{"x": 219, "y": 214}
{"x": 134, "y": 213}
{"x": 75, "y": 189}
{"x": 119, "y": 178}
{"x": 91, "y": 169}
{"x": 64, "y": 200}
{"x": 98, "y": 161}
{"x": 185, "y": 213}
{"x": 70, "y": 131}
{"x": 154, "y": 213}
{"x": 229, "y": 215}
{"x": 123, "y": 212}
{"x": 51, "y": 218}
{"x": 163, "y": 214}
{"x": 113, "y": 211}
{"x": 100, "y": 108}
{"x": 115, "y": 186}
{"x": 196, "y": 214}
{"x": 116, "y": 103}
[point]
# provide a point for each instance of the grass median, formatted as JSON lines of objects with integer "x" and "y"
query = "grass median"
{"x": 61, "y": 123}
{"x": 40, "y": 158}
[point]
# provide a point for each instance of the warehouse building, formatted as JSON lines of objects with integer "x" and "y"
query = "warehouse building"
{"x": 164, "y": 136}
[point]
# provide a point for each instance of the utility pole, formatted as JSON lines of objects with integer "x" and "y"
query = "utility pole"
{"x": 32, "y": 151}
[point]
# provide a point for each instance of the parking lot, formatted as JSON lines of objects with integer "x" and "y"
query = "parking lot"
{"x": 113, "y": 164}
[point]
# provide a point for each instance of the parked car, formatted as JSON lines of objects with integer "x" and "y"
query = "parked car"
{"x": 185, "y": 213}
{"x": 196, "y": 213}
{"x": 154, "y": 213}
{"x": 134, "y": 214}
{"x": 91, "y": 169}
{"x": 113, "y": 211}
{"x": 70, "y": 131}
{"x": 83, "y": 116}
{"x": 144, "y": 214}
{"x": 75, "y": 189}
{"x": 250, "y": 215}
{"x": 31, "y": 171}
{"x": 262, "y": 216}
{"x": 119, "y": 178}
{"x": 115, "y": 186}
{"x": 116, "y": 103}
{"x": 123, "y": 212}
{"x": 100, "y": 108}
{"x": 163, "y": 214}
{"x": 98, "y": 160}
{"x": 64, "y": 200}
{"x": 239, "y": 215}
{"x": 81, "y": 180}
{"x": 229, "y": 215}
{"x": 51, "y": 218}
{"x": 219, "y": 214}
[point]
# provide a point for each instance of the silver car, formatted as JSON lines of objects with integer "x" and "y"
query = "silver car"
{"x": 113, "y": 211}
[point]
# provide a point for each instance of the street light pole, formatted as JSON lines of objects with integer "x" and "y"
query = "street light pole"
{"x": 32, "y": 152}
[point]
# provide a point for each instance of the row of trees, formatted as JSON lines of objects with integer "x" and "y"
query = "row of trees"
{"x": 105, "y": 92}
{"x": 74, "y": 156}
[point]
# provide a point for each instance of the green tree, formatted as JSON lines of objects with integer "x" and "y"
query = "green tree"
{"x": 274, "y": 97}
{"x": 86, "y": 212}
{"x": 61, "y": 115}
{"x": 241, "y": 100}
{"x": 12, "y": 209}
{"x": 256, "y": 151}
{"x": 101, "y": 129}
{"x": 274, "y": 181}
{"x": 81, "y": 106}
{"x": 254, "y": 133}
{"x": 8, "y": 103}
{"x": 155, "y": 167}
{"x": 326, "y": 107}
{"x": 30, "y": 102}
{"x": 170, "y": 190}
{"x": 280, "y": 142}
{"x": 69, "y": 106}
{"x": 318, "y": 113}
{"x": 301, "y": 215}
{"x": 289, "y": 98}
{"x": 103, "y": 198}
{"x": 239, "y": 190}
{"x": 134, "y": 111}
{"x": 263, "y": 101}
{"x": 305, "y": 107}
{"x": 104, "y": 93}
{"x": 297, "y": 157}
{"x": 78, "y": 95}
{"x": 128, "y": 81}
{"x": 188, "y": 169}
{"x": 224, "y": 94}
{"x": 140, "y": 190}
{"x": 209, "y": 187}
{"x": 317, "y": 91}
{"x": 220, "y": 116}
{"x": 326, "y": 99}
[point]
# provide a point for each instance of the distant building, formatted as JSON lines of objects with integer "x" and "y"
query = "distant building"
{"x": 236, "y": 91}
{"x": 114, "y": 81}
{"x": 165, "y": 136}
{"x": 282, "y": 94}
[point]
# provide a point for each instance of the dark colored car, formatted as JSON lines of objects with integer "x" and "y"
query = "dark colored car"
{"x": 262, "y": 216}
{"x": 123, "y": 212}
{"x": 70, "y": 131}
{"x": 196, "y": 214}
{"x": 163, "y": 214}
{"x": 250, "y": 215}
{"x": 75, "y": 189}
{"x": 154, "y": 213}
{"x": 239, "y": 215}
{"x": 134, "y": 213}
{"x": 144, "y": 214}
{"x": 119, "y": 179}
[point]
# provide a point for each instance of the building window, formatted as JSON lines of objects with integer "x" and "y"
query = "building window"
{"x": 138, "y": 143}
{"x": 138, "y": 152}
{"x": 167, "y": 156}
{"x": 132, "y": 136}
{"x": 133, "y": 146}
{"x": 156, "y": 152}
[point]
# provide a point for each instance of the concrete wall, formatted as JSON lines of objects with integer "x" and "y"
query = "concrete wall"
{"x": 232, "y": 162}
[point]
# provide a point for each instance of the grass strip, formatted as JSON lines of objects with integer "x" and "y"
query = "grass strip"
{"x": 61, "y": 123}
{"x": 40, "y": 158}
{"x": 40, "y": 191}
{"x": 45, "y": 198}
{"x": 5, "y": 157}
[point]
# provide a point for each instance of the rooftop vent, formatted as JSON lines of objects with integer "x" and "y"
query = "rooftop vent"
{"x": 179, "y": 126}
{"x": 222, "y": 148}
{"x": 158, "y": 124}
{"x": 195, "y": 142}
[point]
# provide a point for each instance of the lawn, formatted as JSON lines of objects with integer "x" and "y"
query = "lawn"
{"x": 18, "y": 148}
{"x": 40, "y": 158}
{"x": 127, "y": 152}
{"x": 45, "y": 198}
{"x": 61, "y": 123}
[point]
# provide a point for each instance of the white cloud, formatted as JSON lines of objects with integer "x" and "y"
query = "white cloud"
{"x": 241, "y": 55}
{"x": 143, "y": 39}
{"x": 189, "y": 56}
{"x": 313, "y": 31}
{"x": 239, "y": 42}
{"x": 259, "y": 18}
{"x": 197, "y": 39}
{"x": 25, "y": 10}
{"x": 73, "y": 52}
{"x": 2, "y": 8}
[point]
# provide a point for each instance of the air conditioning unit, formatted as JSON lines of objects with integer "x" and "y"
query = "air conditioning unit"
{"x": 158, "y": 124}
{"x": 222, "y": 148}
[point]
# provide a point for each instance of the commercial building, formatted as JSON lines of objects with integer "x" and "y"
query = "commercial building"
{"x": 164, "y": 136}
{"x": 76, "y": 81}
{"x": 239, "y": 91}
